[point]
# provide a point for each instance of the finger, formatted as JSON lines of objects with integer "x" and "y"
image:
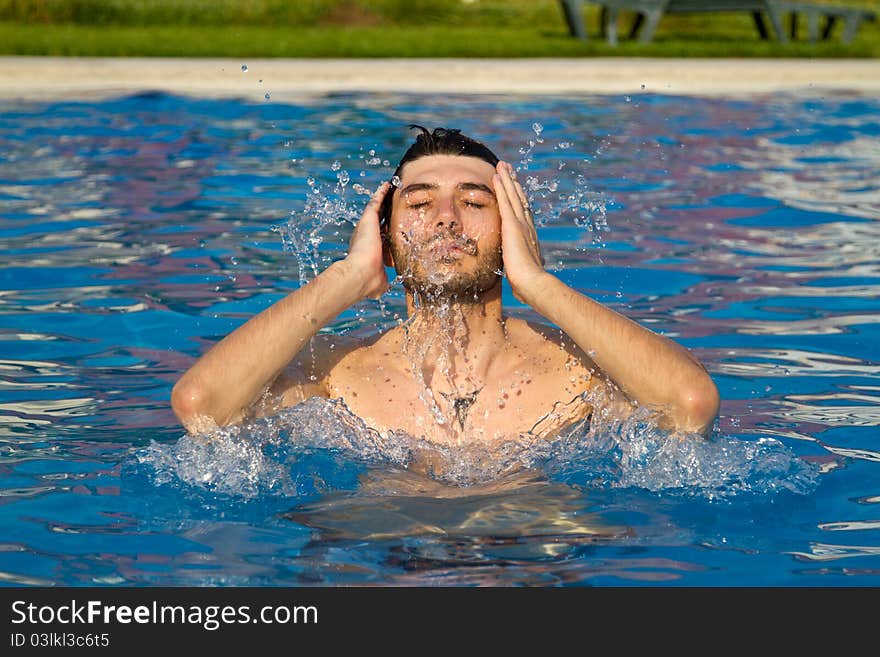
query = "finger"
{"x": 523, "y": 199}
{"x": 505, "y": 207}
{"x": 370, "y": 216}
{"x": 504, "y": 173}
{"x": 509, "y": 202}
{"x": 514, "y": 189}
{"x": 376, "y": 199}
{"x": 529, "y": 219}
{"x": 520, "y": 192}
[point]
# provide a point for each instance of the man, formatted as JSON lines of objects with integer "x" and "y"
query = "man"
{"x": 458, "y": 370}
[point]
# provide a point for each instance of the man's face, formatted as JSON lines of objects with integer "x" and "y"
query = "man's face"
{"x": 445, "y": 229}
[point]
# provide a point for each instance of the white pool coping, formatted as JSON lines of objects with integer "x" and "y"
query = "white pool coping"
{"x": 34, "y": 78}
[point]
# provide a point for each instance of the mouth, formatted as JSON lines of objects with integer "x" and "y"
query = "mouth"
{"x": 445, "y": 251}
{"x": 441, "y": 248}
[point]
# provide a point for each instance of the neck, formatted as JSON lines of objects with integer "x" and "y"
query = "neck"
{"x": 461, "y": 338}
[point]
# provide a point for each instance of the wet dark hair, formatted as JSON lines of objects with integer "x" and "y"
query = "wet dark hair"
{"x": 442, "y": 141}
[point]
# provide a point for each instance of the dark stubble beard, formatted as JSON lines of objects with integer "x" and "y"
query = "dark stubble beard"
{"x": 437, "y": 287}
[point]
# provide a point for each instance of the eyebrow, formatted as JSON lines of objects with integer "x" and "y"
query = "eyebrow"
{"x": 465, "y": 186}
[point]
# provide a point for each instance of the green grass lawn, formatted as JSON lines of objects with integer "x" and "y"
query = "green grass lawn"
{"x": 381, "y": 28}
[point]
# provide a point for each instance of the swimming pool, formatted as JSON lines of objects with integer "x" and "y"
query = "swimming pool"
{"x": 138, "y": 230}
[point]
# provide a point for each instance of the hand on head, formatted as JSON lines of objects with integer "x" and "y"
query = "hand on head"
{"x": 365, "y": 248}
{"x": 523, "y": 262}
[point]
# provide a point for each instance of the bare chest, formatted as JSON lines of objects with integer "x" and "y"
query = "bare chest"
{"x": 521, "y": 402}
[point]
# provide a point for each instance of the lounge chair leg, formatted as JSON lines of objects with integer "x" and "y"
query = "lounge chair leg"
{"x": 850, "y": 27}
{"x": 574, "y": 18}
{"x": 611, "y": 26}
{"x": 652, "y": 19}
{"x": 813, "y": 25}
{"x": 775, "y": 15}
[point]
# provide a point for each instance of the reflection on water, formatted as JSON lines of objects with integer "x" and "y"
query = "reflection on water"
{"x": 826, "y": 552}
{"x": 837, "y": 178}
{"x": 138, "y": 230}
{"x": 521, "y": 530}
{"x": 396, "y": 504}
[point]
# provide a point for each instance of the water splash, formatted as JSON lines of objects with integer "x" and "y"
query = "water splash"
{"x": 267, "y": 456}
{"x": 228, "y": 462}
{"x": 320, "y": 446}
{"x": 314, "y": 235}
{"x": 634, "y": 453}
{"x": 559, "y": 193}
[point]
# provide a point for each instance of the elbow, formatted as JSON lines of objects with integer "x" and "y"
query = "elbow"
{"x": 188, "y": 401}
{"x": 699, "y": 406}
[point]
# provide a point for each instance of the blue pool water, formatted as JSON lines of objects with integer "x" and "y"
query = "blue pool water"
{"x": 137, "y": 231}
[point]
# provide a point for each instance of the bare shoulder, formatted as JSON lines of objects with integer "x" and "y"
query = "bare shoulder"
{"x": 306, "y": 375}
{"x": 561, "y": 358}
{"x": 557, "y": 369}
{"x": 580, "y": 371}
{"x": 549, "y": 341}
{"x": 321, "y": 354}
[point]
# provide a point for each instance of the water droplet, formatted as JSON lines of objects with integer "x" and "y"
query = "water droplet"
{"x": 538, "y": 128}
{"x": 244, "y": 68}
{"x": 267, "y": 96}
{"x": 396, "y": 181}
{"x": 336, "y": 166}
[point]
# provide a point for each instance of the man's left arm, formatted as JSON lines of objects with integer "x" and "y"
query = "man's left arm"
{"x": 649, "y": 368}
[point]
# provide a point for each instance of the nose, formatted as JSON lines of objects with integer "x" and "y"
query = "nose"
{"x": 447, "y": 215}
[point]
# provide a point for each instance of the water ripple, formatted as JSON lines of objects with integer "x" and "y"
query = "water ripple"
{"x": 138, "y": 230}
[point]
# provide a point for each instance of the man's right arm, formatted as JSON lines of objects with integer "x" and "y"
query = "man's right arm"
{"x": 227, "y": 380}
